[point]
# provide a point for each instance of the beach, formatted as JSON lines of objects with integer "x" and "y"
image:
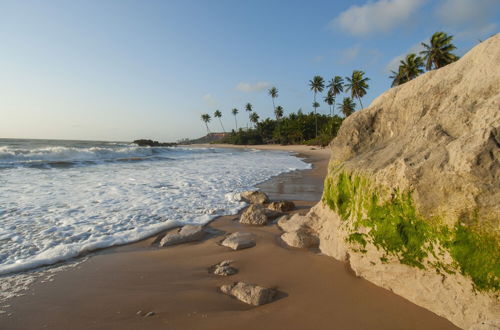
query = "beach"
{"x": 116, "y": 287}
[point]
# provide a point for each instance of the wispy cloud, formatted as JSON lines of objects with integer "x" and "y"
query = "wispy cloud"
{"x": 256, "y": 87}
{"x": 318, "y": 59}
{"x": 349, "y": 54}
{"x": 210, "y": 100}
{"x": 472, "y": 19}
{"x": 375, "y": 17}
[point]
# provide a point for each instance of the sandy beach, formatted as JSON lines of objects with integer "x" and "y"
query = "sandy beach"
{"x": 118, "y": 286}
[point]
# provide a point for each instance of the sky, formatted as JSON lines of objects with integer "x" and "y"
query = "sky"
{"x": 122, "y": 70}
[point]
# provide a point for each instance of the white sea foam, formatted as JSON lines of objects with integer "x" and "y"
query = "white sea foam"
{"x": 49, "y": 215}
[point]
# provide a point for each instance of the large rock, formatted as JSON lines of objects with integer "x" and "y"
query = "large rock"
{"x": 249, "y": 293}
{"x": 239, "y": 240}
{"x": 254, "y": 197}
{"x": 258, "y": 215}
{"x": 300, "y": 231}
{"x": 188, "y": 233}
{"x": 282, "y": 206}
{"x": 413, "y": 190}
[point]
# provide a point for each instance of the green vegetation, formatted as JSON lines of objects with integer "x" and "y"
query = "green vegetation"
{"x": 296, "y": 128}
{"x": 396, "y": 227}
{"x": 357, "y": 84}
{"x": 409, "y": 69}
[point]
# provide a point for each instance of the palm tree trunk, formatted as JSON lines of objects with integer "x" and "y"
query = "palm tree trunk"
{"x": 361, "y": 104}
{"x": 222, "y": 125}
{"x": 315, "y": 115}
{"x": 208, "y": 131}
{"x": 235, "y": 123}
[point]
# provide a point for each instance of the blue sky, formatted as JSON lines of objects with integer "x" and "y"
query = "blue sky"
{"x": 120, "y": 70}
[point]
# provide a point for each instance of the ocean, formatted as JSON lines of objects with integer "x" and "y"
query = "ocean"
{"x": 61, "y": 199}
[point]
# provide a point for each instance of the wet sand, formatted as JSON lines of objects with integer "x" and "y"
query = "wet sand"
{"x": 316, "y": 292}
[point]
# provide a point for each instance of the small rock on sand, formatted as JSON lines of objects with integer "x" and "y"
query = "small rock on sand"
{"x": 223, "y": 268}
{"x": 258, "y": 215}
{"x": 301, "y": 238}
{"x": 254, "y": 197}
{"x": 249, "y": 293}
{"x": 188, "y": 233}
{"x": 282, "y": 206}
{"x": 239, "y": 240}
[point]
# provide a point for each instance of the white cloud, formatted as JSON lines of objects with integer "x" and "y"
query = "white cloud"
{"x": 374, "y": 17}
{"x": 472, "y": 19}
{"x": 474, "y": 12}
{"x": 248, "y": 87}
{"x": 393, "y": 64}
{"x": 210, "y": 100}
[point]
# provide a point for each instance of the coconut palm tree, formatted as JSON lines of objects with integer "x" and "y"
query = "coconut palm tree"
{"x": 412, "y": 66}
{"x": 330, "y": 100}
{"x": 235, "y": 112}
{"x": 218, "y": 114}
{"x": 248, "y": 108}
{"x": 206, "y": 119}
{"x": 336, "y": 86}
{"x": 278, "y": 112}
{"x": 409, "y": 68}
{"x": 273, "y": 91}
{"x": 254, "y": 118}
{"x": 317, "y": 84}
{"x": 439, "y": 52}
{"x": 398, "y": 78}
{"x": 357, "y": 85}
{"x": 347, "y": 107}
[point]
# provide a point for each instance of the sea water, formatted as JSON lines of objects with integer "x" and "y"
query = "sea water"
{"x": 60, "y": 199}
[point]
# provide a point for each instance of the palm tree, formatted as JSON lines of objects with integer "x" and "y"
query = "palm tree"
{"x": 273, "y": 91}
{"x": 218, "y": 114}
{"x": 438, "y": 53}
{"x": 235, "y": 112}
{"x": 336, "y": 86}
{"x": 330, "y": 100}
{"x": 317, "y": 84}
{"x": 206, "y": 119}
{"x": 254, "y": 118}
{"x": 409, "y": 68}
{"x": 357, "y": 85}
{"x": 278, "y": 112}
{"x": 412, "y": 66}
{"x": 398, "y": 78}
{"x": 347, "y": 107}
{"x": 248, "y": 108}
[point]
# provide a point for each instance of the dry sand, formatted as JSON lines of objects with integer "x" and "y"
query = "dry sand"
{"x": 316, "y": 292}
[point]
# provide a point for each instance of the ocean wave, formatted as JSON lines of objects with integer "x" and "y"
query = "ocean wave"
{"x": 60, "y": 156}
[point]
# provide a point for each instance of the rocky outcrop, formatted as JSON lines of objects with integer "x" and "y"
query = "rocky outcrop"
{"x": 254, "y": 197}
{"x": 249, "y": 293}
{"x": 411, "y": 196}
{"x": 151, "y": 143}
{"x": 188, "y": 233}
{"x": 239, "y": 240}
{"x": 258, "y": 215}
{"x": 281, "y": 206}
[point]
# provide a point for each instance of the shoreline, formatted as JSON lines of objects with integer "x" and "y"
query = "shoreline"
{"x": 114, "y": 284}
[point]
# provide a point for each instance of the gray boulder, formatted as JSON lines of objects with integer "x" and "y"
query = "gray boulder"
{"x": 188, "y": 233}
{"x": 239, "y": 240}
{"x": 258, "y": 215}
{"x": 282, "y": 206}
{"x": 249, "y": 293}
{"x": 254, "y": 197}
